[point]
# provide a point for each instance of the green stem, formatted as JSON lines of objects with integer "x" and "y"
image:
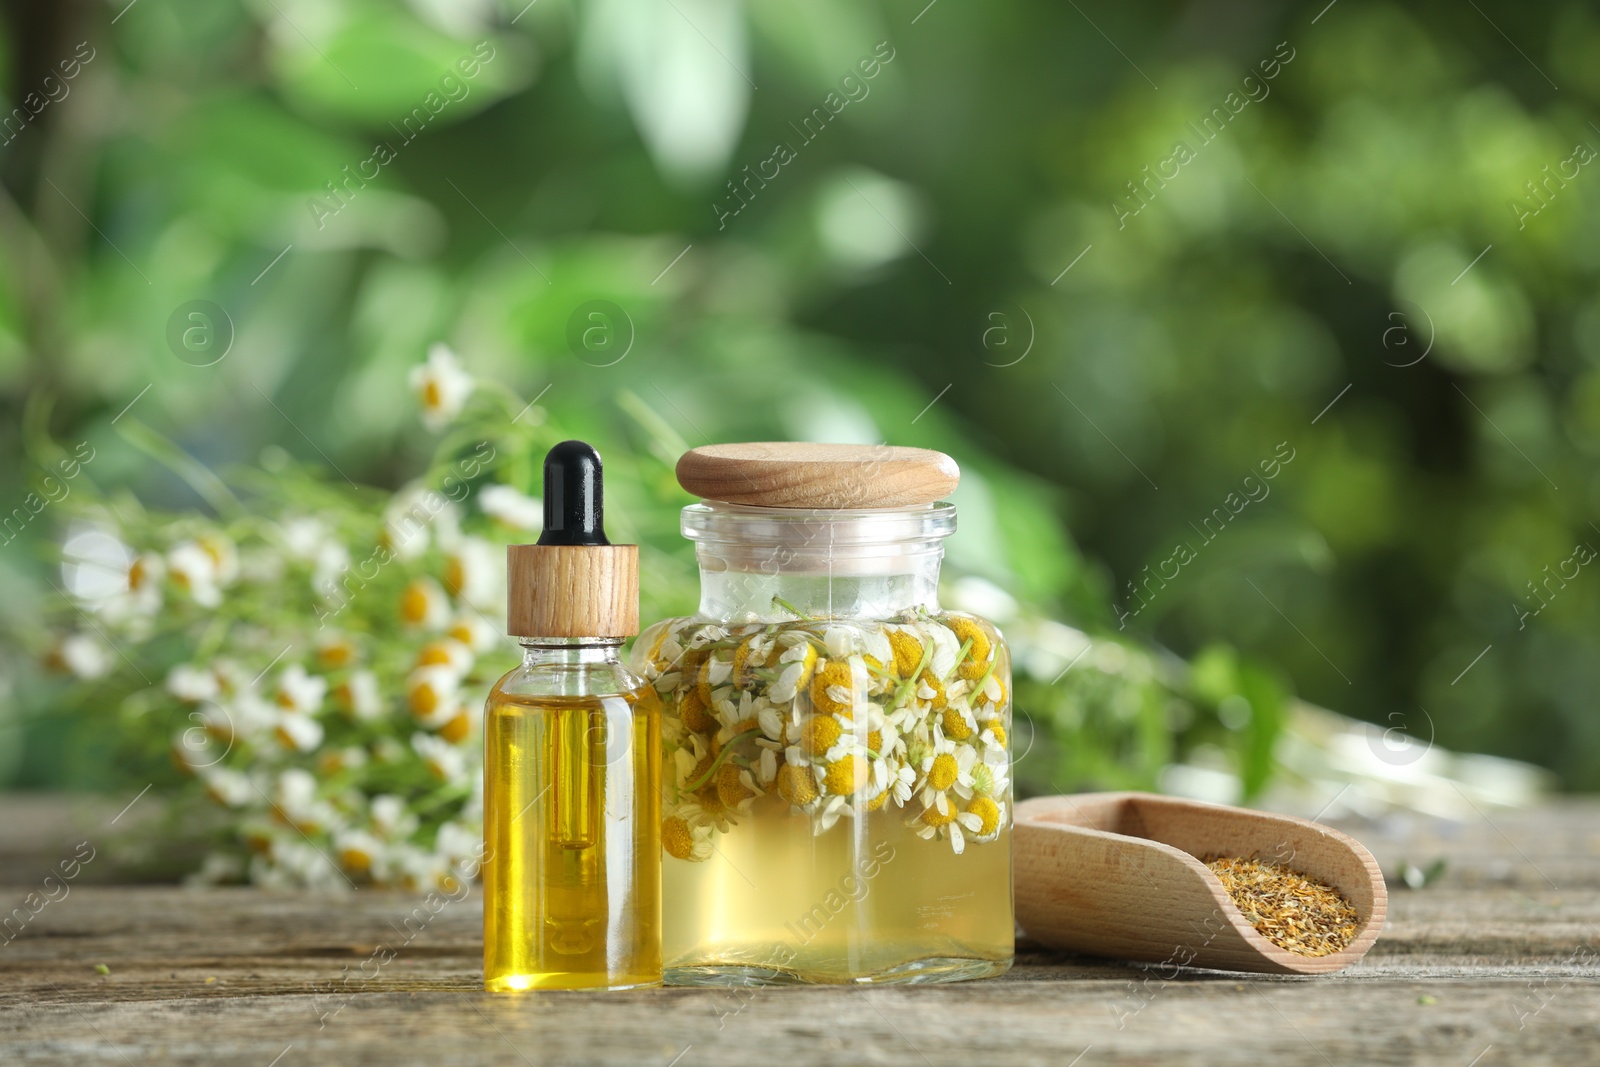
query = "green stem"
{"x": 436, "y": 799}
{"x": 909, "y": 685}
{"x": 966, "y": 646}
{"x": 791, "y": 609}
{"x": 704, "y": 778}
{"x": 881, "y": 672}
{"x": 984, "y": 678}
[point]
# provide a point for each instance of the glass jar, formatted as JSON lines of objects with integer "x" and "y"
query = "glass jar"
{"x": 836, "y": 778}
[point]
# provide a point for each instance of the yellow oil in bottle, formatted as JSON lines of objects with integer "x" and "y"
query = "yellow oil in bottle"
{"x": 572, "y": 816}
{"x": 779, "y": 903}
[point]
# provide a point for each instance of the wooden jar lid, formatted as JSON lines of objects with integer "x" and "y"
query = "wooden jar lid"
{"x": 781, "y": 474}
{"x": 572, "y": 590}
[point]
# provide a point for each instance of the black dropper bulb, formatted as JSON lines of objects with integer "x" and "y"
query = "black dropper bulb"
{"x": 573, "y": 507}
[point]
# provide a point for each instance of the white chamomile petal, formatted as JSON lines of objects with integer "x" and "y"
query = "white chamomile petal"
{"x": 841, "y": 641}
{"x": 878, "y": 646}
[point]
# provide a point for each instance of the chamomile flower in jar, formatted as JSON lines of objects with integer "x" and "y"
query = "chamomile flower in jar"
{"x": 836, "y": 797}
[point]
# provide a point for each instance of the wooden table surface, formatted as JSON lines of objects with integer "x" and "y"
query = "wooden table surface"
{"x": 1495, "y": 963}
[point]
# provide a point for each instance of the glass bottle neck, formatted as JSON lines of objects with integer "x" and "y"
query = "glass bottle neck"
{"x": 570, "y": 651}
{"x": 769, "y": 564}
{"x": 728, "y": 594}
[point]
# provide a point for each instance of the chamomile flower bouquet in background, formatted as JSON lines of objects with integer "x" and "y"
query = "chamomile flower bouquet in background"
{"x": 296, "y": 666}
{"x": 312, "y": 656}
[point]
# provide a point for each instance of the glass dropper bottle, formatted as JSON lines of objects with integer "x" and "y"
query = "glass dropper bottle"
{"x": 571, "y": 768}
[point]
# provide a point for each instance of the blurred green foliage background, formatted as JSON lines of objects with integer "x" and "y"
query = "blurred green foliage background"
{"x": 1376, "y": 253}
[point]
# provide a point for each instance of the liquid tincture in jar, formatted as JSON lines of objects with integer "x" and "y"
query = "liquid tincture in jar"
{"x": 571, "y": 769}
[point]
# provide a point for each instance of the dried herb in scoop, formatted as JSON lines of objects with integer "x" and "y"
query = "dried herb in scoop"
{"x": 1293, "y": 911}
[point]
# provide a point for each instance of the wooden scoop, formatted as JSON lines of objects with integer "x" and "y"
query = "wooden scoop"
{"x": 1118, "y": 874}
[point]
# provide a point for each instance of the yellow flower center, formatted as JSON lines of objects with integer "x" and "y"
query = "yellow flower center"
{"x": 355, "y": 859}
{"x": 676, "y": 838}
{"x": 702, "y": 768}
{"x": 455, "y": 731}
{"x": 878, "y": 801}
{"x": 977, "y": 661}
{"x": 434, "y": 653}
{"x": 807, "y": 661}
{"x": 846, "y": 776}
{"x": 432, "y": 395}
{"x": 944, "y": 771}
{"x": 742, "y": 679}
{"x": 907, "y": 652}
{"x": 999, "y": 732}
{"x": 955, "y": 725}
{"x": 819, "y": 733}
{"x": 707, "y": 796}
{"x": 692, "y": 658}
{"x": 988, "y": 811}
{"x": 213, "y": 549}
{"x": 874, "y": 740}
{"x": 461, "y": 632}
{"x": 336, "y": 653}
{"x": 137, "y": 574}
{"x": 796, "y": 785}
{"x": 730, "y": 790}
{"x": 455, "y": 575}
{"x": 694, "y": 713}
{"x": 833, "y": 673}
{"x": 983, "y": 698}
{"x": 425, "y": 699}
{"x": 414, "y": 603}
{"x": 703, "y": 682}
{"x": 932, "y": 816}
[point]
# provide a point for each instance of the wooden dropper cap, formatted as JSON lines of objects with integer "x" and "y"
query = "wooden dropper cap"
{"x": 573, "y": 582}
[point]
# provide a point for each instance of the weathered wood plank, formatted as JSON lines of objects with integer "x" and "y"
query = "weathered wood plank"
{"x": 1501, "y": 953}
